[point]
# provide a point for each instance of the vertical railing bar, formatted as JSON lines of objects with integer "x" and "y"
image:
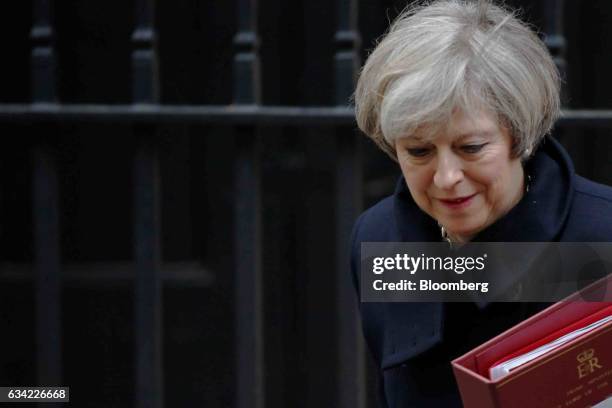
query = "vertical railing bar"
{"x": 555, "y": 39}
{"x": 148, "y": 305}
{"x": 145, "y": 86}
{"x": 48, "y": 281}
{"x": 247, "y": 83}
{"x": 351, "y": 374}
{"x": 43, "y": 72}
{"x": 149, "y": 391}
{"x": 45, "y": 196}
{"x": 248, "y": 291}
{"x": 351, "y": 358}
{"x": 347, "y": 43}
{"x": 249, "y": 365}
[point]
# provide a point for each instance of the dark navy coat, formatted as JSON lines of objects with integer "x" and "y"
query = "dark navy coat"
{"x": 413, "y": 343}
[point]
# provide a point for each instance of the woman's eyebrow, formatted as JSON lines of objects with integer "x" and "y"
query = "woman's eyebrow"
{"x": 418, "y": 139}
{"x": 484, "y": 134}
{"x": 415, "y": 141}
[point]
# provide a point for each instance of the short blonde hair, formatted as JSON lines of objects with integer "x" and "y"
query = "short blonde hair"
{"x": 449, "y": 54}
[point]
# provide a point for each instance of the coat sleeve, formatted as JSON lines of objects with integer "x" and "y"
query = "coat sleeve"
{"x": 355, "y": 260}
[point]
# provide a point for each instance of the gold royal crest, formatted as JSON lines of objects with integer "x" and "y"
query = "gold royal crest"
{"x": 587, "y": 363}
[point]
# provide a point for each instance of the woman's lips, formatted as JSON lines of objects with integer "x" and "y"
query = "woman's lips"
{"x": 457, "y": 203}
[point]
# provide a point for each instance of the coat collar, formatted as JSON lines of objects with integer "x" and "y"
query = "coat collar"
{"x": 538, "y": 217}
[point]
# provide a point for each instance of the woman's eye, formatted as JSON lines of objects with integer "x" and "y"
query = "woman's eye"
{"x": 418, "y": 151}
{"x": 472, "y": 148}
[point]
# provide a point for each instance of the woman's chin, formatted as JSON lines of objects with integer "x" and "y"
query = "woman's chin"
{"x": 461, "y": 233}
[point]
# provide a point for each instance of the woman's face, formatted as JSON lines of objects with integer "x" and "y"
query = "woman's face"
{"x": 463, "y": 176}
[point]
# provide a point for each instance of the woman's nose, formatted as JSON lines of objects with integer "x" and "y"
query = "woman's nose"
{"x": 449, "y": 170}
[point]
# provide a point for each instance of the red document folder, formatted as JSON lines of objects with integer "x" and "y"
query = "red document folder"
{"x": 577, "y": 374}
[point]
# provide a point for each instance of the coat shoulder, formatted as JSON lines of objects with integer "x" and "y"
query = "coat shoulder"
{"x": 588, "y": 188}
{"x": 590, "y": 218}
{"x": 376, "y": 223}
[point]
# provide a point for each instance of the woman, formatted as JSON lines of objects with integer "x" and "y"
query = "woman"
{"x": 461, "y": 94}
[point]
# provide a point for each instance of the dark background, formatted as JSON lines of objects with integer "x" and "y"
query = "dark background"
{"x": 298, "y": 240}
